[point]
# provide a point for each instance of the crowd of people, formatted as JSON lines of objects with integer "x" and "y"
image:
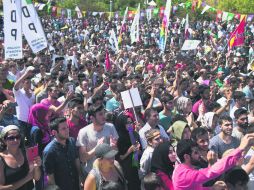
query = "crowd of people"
{"x": 195, "y": 129}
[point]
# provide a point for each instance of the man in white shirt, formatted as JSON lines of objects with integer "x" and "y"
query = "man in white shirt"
{"x": 152, "y": 118}
{"x": 25, "y": 98}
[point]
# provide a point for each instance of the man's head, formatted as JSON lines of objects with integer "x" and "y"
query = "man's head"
{"x": 167, "y": 101}
{"x": 59, "y": 128}
{"x": 187, "y": 152}
{"x": 236, "y": 179}
{"x": 250, "y": 81}
{"x": 152, "y": 117}
{"x": 239, "y": 98}
{"x": 226, "y": 125}
{"x": 97, "y": 114}
{"x": 76, "y": 107}
{"x": 200, "y": 136}
{"x": 152, "y": 182}
{"x": 204, "y": 92}
{"x": 53, "y": 92}
{"x": 241, "y": 116}
{"x": 153, "y": 137}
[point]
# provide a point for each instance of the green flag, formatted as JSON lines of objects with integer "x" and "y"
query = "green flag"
{"x": 29, "y": 2}
{"x": 230, "y": 16}
{"x": 155, "y": 11}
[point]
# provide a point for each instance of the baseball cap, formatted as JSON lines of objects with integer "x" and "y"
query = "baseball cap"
{"x": 105, "y": 151}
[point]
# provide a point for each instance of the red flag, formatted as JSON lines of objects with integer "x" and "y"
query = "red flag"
{"x": 107, "y": 62}
{"x": 237, "y": 37}
{"x": 219, "y": 16}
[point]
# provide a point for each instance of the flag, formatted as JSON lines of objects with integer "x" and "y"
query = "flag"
{"x": 107, "y": 62}
{"x": 69, "y": 13}
{"x": 164, "y": 27}
{"x": 79, "y": 13}
{"x": 148, "y": 14}
{"x": 194, "y": 4}
{"x": 113, "y": 42}
{"x": 120, "y": 39}
{"x": 49, "y": 6}
{"x": 134, "y": 33}
{"x": 186, "y": 30}
{"x": 237, "y": 36}
{"x": 218, "y": 16}
{"x": 199, "y": 3}
{"x": 206, "y": 8}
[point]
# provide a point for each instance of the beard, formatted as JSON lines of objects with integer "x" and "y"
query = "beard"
{"x": 196, "y": 163}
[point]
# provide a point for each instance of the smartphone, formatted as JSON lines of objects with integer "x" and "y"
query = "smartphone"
{"x": 32, "y": 153}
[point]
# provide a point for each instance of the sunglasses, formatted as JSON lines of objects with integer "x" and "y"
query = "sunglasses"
{"x": 13, "y": 138}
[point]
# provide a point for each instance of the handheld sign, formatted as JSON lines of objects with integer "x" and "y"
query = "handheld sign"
{"x": 190, "y": 44}
{"x": 32, "y": 153}
{"x": 131, "y": 99}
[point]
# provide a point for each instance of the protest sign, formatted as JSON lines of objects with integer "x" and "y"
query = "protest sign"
{"x": 32, "y": 28}
{"x": 190, "y": 44}
{"x": 12, "y": 30}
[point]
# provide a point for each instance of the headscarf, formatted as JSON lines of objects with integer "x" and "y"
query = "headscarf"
{"x": 37, "y": 115}
{"x": 177, "y": 131}
{"x": 160, "y": 160}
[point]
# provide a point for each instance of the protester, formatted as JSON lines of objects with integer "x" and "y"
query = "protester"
{"x": 105, "y": 169}
{"x": 60, "y": 158}
{"x": 15, "y": 170}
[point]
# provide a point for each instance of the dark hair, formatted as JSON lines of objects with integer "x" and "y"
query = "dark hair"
{"x": 224, "y": 118}
{"x": 166, "y": 97}
{"x": 202, "y": 89}
{"x": 97, "y": 97}
{"x": 152, "y": 181}
{"x": 75, "y": 102}
{"x": 54, "y": 124}
{"x": 240, "y": 112}
{"x": 197, "y": 132}
{"x": 93, "y": 109}
{"x": 238, "y": 95}
{"x": 235, "y": 175}
{"x": 148, "y": 112}
{"x": 184, "y": 147}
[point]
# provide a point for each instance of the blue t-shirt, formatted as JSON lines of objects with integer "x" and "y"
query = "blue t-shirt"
{"x": 60, "y": 161}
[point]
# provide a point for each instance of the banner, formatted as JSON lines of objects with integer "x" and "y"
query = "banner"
{"x": 113, "y": 41}
{"x": 79, "y": 13}
{"x": 186, "y": 29}
{"x": 120, "y": 39}
{"x": 32, "y": 28}
{"x": 69, "y": 13}
{"x": 135, "y": 27}
{"x": 164, "y": 27}
{"x": 148, "y": 14}
{"x": 12, "y": 30}
{"x": 190, "y": 44}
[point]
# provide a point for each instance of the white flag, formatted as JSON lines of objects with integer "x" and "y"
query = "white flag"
{"x": 206, "y": 8}
{"x": 12, "y": 29}
{"x": 69, "y": 13}
{"x": 79, "y": 13}
{"x": 190, "y": 44}
{"x": 113, "y": 41}
{"x": 135, "y": 27}
{"x": 32, "y": 28}
{"x": 149, "y": 14}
